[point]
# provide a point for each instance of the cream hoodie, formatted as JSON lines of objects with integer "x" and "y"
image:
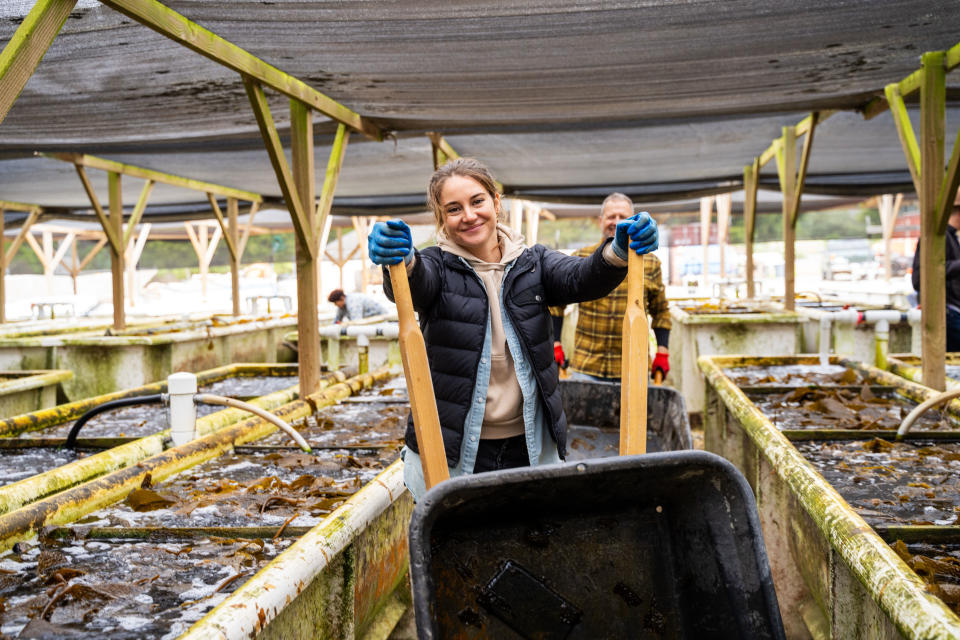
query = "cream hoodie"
{"x": 503, "y": 416}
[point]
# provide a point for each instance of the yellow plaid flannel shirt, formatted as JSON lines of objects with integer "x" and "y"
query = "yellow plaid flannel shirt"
{"x": 597, "y": 343}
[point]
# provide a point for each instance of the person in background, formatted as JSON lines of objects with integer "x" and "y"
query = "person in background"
{"x": 482, "y": 300}
{"x": 952, "y": 275}
{"x": 599, "y": 331}
{"x": 354, "y": 306}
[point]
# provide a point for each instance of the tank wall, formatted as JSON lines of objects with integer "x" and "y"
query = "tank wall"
{"x": 344, "y": 600}
{"x": 688, "y": 341}
{"x": 813, "y": 582}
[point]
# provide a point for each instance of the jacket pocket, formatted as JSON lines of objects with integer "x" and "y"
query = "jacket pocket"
{"x": 528, "y": 295}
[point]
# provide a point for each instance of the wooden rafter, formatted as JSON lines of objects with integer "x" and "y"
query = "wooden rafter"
{"x": 116, "y": 242}
{"x": 26, "y": 48}
{"x": 133, "y": 171}
{"x": 331, "y": 177}
{"x": 138, "y": 210}
{"x": 231, "y": 246}
{"x": 268, "y": 131}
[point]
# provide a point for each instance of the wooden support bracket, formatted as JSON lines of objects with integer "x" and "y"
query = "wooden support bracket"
{"x": 268, "y": 131}
{"x": 116, "y": 242}
{"x": 137, "y": 212}
{"x": 227, "y": 237}
{"x": 26, "y": 48}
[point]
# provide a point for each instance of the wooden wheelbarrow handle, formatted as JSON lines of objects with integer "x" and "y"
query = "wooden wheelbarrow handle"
{"x": 634, "y": 363}
{"x": 416, "y": 369}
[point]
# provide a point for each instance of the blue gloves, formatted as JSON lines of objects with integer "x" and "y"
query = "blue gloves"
{"x": 390, "y": 242}
{"x": 641, "y": 230}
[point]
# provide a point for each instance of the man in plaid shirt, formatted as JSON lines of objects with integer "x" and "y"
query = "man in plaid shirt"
{"x": 597, "y": 342}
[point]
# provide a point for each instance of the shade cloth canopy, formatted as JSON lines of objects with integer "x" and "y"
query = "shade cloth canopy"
{"x": 565, "y": 100}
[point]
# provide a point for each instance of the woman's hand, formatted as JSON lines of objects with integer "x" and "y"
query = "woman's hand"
{"x": 390, "y": 242}
{"x": 640, "y": 230}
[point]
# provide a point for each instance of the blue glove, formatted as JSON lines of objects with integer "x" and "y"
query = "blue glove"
{"x": 390, "y": 242}
{"x": 641, "y": 231}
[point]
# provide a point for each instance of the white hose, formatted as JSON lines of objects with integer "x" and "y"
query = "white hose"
{"x": 209, "y": 398}
{"x": 949, "y": 394}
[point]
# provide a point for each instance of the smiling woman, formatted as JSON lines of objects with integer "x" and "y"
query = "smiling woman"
{"x": 482, "y": 296}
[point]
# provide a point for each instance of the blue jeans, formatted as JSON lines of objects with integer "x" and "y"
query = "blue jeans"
{"x": 502, "y": 453}
{"x": 953, "y": 330}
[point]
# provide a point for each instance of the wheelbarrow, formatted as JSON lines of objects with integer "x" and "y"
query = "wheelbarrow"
{"x": 661, "y": 545}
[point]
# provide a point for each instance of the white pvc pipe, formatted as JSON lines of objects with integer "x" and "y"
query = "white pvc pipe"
{"x": 181, "y": 387}
{"x": 949, "y": 394}
{"x": 209, "y": 398}
{"x": 387, "y": 330}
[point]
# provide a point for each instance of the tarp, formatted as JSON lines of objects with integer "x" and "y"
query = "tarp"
{"x": 564, "y": 99}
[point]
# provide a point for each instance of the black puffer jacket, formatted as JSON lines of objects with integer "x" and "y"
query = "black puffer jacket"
{"x": 454, "y": 310}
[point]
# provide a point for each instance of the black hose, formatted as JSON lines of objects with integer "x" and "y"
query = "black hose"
{"x": 158, "y": 398}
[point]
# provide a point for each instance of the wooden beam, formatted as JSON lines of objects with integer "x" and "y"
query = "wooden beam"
{"x": 533, "y": 224}
{"x": 132, "y": 257}
{"x": 194, "y": 240}
{"x": 232, "y": 235}
{"x": 101, "y": 243}
{"x": 440, "y": 144}
{"x": 24, "y": 231}
{"x": 26, "y": 48}
{"x": 804, "y": 163}
{"x": 307, "y": 251}
{"x": 908, "y": 139}
{"x": 3, "y": 270}
{"x": 137, "y": 212}
{"x": 546, "y": 214}
{"x": 889, "y": 208}
{"x": 65, "y": 245}
{"x": 254, "y": 207}
{"x": 932, "y": 238}
{"x": 39, "y": 252}
{"x": 115, "y": 239}
{"x": 951, "y": 182}
{"x": 750, "y": 181}
{"x": 9, "y": 205}
{"x": 171, "y": 24}
{"x": 362, "y": 227}
{"x": 770, "y": 152}
{"x": 724, "y": 204}
{"x": 114, "y": 230}
{"x": 268, "y": 131}
{"x": 212, "y": 246}
{"x": 706, "y": 213}
{"x": 231, "y": 246}
{"x": 786, "y": 168}
{"x": 94, "y": 162}
{"x": 331, "y": 177}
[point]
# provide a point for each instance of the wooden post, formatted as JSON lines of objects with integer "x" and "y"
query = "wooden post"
{"x": 132, "y": 257}
{"x": 533, "y": 224}
{"x": 362, "y": 227}
{"x": 116, "y": 251}
{"x": 751, "y": 177}
{"x": 723, "y": 224}
{"x": 233, "y": 213}
{"x": 308, "y": 323}
{"x": 706, "y": 211}
{"x": 74, "y": 259}
{"x": 786, "y": 167}
{"x": 932, "y": 232}
{"x": 3, "y": 270}
{"x": 516, "y": 214}
{"x": 889, "y": 209}
{"x": 6, "y": 256}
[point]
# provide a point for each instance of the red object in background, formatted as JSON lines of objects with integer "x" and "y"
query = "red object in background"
{"x": 662, "y": 362}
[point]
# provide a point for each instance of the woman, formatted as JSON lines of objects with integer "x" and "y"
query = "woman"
{"x": 482, "y": 301}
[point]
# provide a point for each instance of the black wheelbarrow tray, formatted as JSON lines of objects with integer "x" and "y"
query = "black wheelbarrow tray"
{"x": 663, "y": 545}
